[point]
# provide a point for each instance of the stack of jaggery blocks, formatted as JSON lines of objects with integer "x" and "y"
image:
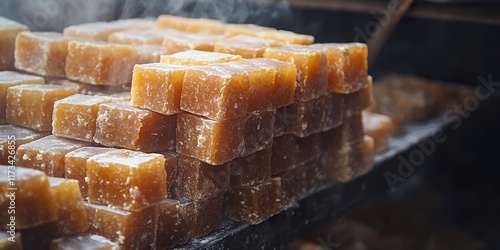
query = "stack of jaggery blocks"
{"x": 167, "y": 127}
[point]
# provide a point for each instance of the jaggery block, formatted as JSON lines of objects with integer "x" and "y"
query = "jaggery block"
{"x": 147, "y": 53}
{"x": 127, "y": 179}
{"x": 71, "y": 215}
{"x": 9, "y": 79}
{"x": 172, "y": 22}
{"x": 312, "y": 72}
{"x": 89, "y": 89}
{"x": 8, "y": 33}
{"x": 254, "y": 204}
{"x": 293, "y": 183}
{"x": 140, "y": 37}
{"x": 287, "y": 37}
{"x": 203, "y": 25}
{"x": 157, "y": 87}
{"x": 47, "y": 154}
{"x": 245, "y": 46}
{"x": 198, "y": 180}
{"x": 245, "y": 29}
{"x": 171, "y": 168}
{"x": 251, "y": 170}
{"x": 198, "y": 58}
{"x": 83, "y": 241}
{"x": 347, "y": 66}
{"x": 208, "y": 215}
{"x": 187, "y": 216}
{"x": 308, "y": 148}
{"x": 100, "y": 63}
{"x": 31, "y": 105}
{"x": 170, "y": 228}
{"x": 379, "y": 127}
{"x": 218, "y": 92}
{"x": 11, "y": 137}
{"x": 290, "y": 151}
{"x": 34, "y": 203}
{"x": 75, "y": 116}
{"x": 11, "y": 241}
{"x": 258, "y": 131}
{"x": 129, "y": 230}
{"x": 75, "y": 165}
{"x": 284, "y": 82}
{"x": 180, "y": 42}
{"x": 120, "y": 125}
{"x": 358, "y": 101}
{"x": 362, "y": 156}
{"x": 42, "y": 53}
{"x": 100, "y": 31}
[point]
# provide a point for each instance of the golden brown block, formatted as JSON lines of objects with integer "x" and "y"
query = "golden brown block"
{"x": 8, "y": 32}
{"x": 379, "y": 127}
{"x": 180, "y": 42}
{"x": 100, "y": 31}
{"x": 358, "y": 101}
{"x": 83, "y": 241}
{"x": 157, "y": 87}
{"x": 126, "y": 179}
{"x": 87, "y": 88}
{"x": 218, "y": 92}
{"x": 153, "y": 36}
{"x": 169, "y": 224}
{"x": 120, "y": 125}
{"x": 296, "y": 182}
{"x": 254, "y": 204}
{"x": 11, "y": 137}
{"x": 245, "y": 46}
{"x": 251, "y": 170}
{"x": 258, "y": 132}
{"x": 129, "y": 230}
{"x": 47, "y": 154}
{"x": 171, "y": 169}
{"x": 287, "y": 37}
{"x": 10, "y": 242}
{"x": 203, "y": 25}
{"x": 198, "y": 58}
{"x": 173, "y": 22}
{"x": 71, "y": 215}
{"x": 42, "y": 53}
{"x": 245, "y": 29}
{"x": 9, "y": 79}
{"x": 75, "y": 116}
{"x": 31, "y": 105}
{"x": 198, "y": 180}
{"x": 312, "y": 72}
{"x": 34, "y": 203}
{"x": 290, "y": 151}
{"x": 100, "y": 63}
{"x": 75, "y": 165}
{"x": 147, "y": 53}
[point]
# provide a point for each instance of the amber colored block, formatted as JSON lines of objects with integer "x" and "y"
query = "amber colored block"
{"x": 140, "y": 37}
{"x": 75, "y": 116}
{"x": 287, "y": 37}
{"x": 258, "y": 131}
{"x": 208, "y": 215}
{"x": 245, "y": 46}
{"x": 9, "y": 79}
{"x": 170, "y": 228}
{"x": 10, "y": 242}
{"x": 218, "y": 92}
{"x": 83, "y": 241}
{"x": 312, "y": 72}
{"x": 284, "y": 82}
{"x": 310, "y": 116}
{"x": 198, "y": 180}
{"x": 100, "y": 63}
{"x": 362, "y": 157}
{"x": 172, "y": 22}
{"x": 245, "y": 29}
{"x": 187, "y": 216}
{"x": 34, "y": 203}
{"x": 11, "y": 137}
{"x": 293, "y": 184}
{"x": 120, "y": 125}
{"x": 75, "y": 165}
{"x": 254, "y": 204}
{"x": 42, "y": 53}
{"x": 251, "y": 170}
{"x": 290, "y": 151}
{"x": 358, "y": 101}
{"x": 89, "y": 89}
{"x": 379, "y": 127}
{"x": 198, "y": 58}
{"x": 8, "y": 33}
{"x": 71, "y": 215}
{"x": 129, "y": 230}
{"x": 47, "y": 154}
{"x": 171, "y": 169}
{"x": 100, "y": 31}
{"x": 203, "y": 25}
{"x": 347, "y": 66}
{"x": 31, "y": 105}
{"x": 147, "y": 53}
{"x": 157, "y": 87}
{"x": 180, "y": 42}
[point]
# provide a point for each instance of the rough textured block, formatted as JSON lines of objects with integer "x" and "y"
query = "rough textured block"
{"x": 147, "y": 53}
{"x": 120, "y": 125}
{"x": 379, "y": 127}
{"x": 140, "y": 37}
{"x": 170, "y": 226}
{"x": 207, "y": 216}
{"x": 198, "y": 58}
{"x": 245, "y": 46}
{"x": 287, "y": 37}
{"x": 9, "y": 79}
{"x": 290, "y": 152}
{"x": 87, "y": 88}
{"x": 42, "y": 53}
{"x": 83, "y": 241}
{"x": 31, "y": 105}
{"x": 47, "y": 154}
{"x": 100, "y": 31}
{"x": 172, "y": 22}
{"x": 11, "y": 137}
{"x": 245, "y": 29}
{"x": 358, "y": 101}
{"x": 8, "y": 33}
{"x": 180, "y": 42}
{"x": 171, "y": 167}
{"x": 258, "y": 132}
{"x": 251, "y": 170}
{"x": 203, "y": 25}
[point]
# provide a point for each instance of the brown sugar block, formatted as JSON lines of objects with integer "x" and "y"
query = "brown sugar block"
{"x": 100, "y": 31}
{"x": 180, "y": 42}
{"x": 283, "y": 153}
{"x": 358, "y": 101}
{"x": 170, "y": 226}
{"x": 172, "y": 22}
{"x": 83, "y": 241}
{"x": 11, "y": 137}
{"x": 245, "y": 29}
{"x": 347, "y": 66}
{"x": 218, "y": 92}
{"x": 8, "y": 33}
{"x": 171, "y": 168}
{"x": 75, "y": 165}
{"x": 127, "y": 179}
{"x": 100, "y": 63}
{"x": 203, "y": 25}
{"x": 31, "y": 105}
{"x": 258, "y": 131}
{"x": 308, "y": 148}
{"x": 379, "y": 127}
{"x": 198, "y": 180}
{"x": 129, "y": 230}
{"x": 139, "y": 37}
{"x": 47, "y": 154}
{"x": 71, "y": 215}
{"x": 120, "y": 125}
{"x": 89, "y": 89}
{"x": 254, "y": 204}
{"x": 187, "y": 214}
{"x": 293, "y": 183}
{"x": 34, "y": 203}
{"x": 251, "y": 170}
{"x": 310, "y": 116}
{"x": 157, "y": 87}
{"x": 198, "y": 58}
{"x": 9, "y": 79}
{"x": 312, "y": 72}
{"x": 362, "y": 157}
{"x": 11, "y": 242}
{"x": 245, "y": 46}
{"x": 147, "y": 53}
{"x": 42, "y": 53}
{"x": 75, "y": 116}
{"x": 208, "y": 215}
{"x": 287, "y": 37}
